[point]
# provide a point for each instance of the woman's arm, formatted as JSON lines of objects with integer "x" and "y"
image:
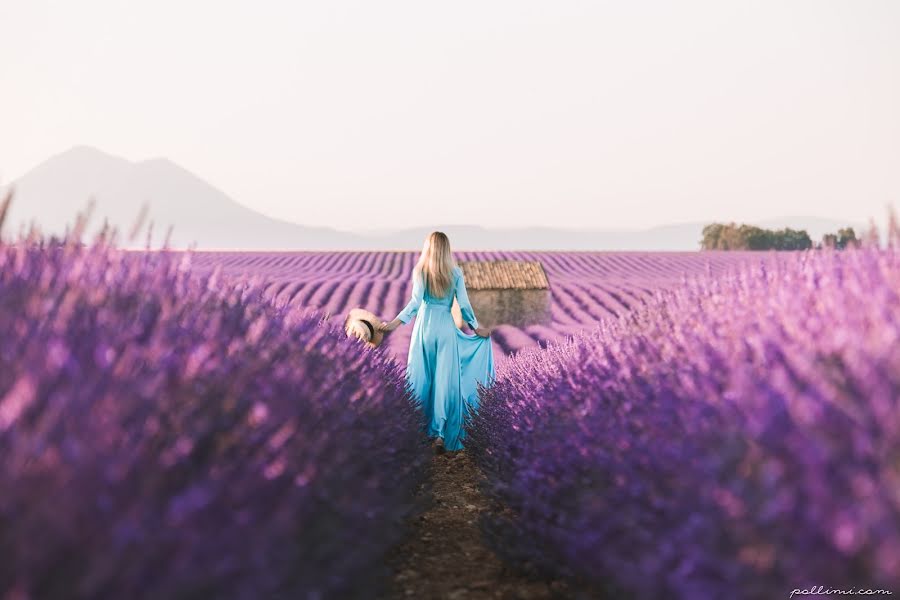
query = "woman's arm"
{"x": 465, "y": 307}
{"x": 411, "y": 308}
{"x": 390, "y": 326}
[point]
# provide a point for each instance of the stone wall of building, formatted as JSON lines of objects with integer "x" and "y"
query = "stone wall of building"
{"x": 507, "y": 307}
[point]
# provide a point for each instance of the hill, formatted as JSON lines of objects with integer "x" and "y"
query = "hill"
{"x": 52, "y": 194}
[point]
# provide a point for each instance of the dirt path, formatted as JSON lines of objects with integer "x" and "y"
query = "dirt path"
{"x": 445, "y": 555}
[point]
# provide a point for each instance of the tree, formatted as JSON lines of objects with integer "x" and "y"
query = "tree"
{"x": 718, "y": 236}
{"x": 712, "y": 233}
{"x": 792, "y": 239}
{"x": 844, "y": 238}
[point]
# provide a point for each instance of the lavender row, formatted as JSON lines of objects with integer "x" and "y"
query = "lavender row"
{"x": 737, "y": 437}
{"x": 164, "y": 436}
{"x": 396, "y": 266}
{"x": 585, "y": 286}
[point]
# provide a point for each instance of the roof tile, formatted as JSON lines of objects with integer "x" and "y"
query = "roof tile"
{"x": 504, "y": 274}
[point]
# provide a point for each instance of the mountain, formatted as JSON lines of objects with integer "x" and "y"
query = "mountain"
{"x": 55, "y": 191}
{"x": 674, "y": 237}
{"x": 464, "y": 237}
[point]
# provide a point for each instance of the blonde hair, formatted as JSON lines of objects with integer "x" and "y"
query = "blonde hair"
{"x": 435, "y": 264}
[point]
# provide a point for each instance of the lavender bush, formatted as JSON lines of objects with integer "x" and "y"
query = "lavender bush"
{"x": 164, "y": 438}
{"x": 737, "y": 438}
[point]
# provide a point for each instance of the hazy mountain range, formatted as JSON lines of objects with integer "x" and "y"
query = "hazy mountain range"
{"x": 52, "y": 194}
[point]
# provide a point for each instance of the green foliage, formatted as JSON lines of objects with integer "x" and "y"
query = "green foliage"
{"x": 719, "y": 236}
{"x": 844, "y": 238}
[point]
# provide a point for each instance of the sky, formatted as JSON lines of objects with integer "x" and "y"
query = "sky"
{"x": 369, "y": 115}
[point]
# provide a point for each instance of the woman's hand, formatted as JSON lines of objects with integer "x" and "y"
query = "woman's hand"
{"x": 389, "y": 327}
{"x": 483, "y": 332}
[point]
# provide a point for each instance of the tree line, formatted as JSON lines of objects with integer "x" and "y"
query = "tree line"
{"x": 731, "y": 236}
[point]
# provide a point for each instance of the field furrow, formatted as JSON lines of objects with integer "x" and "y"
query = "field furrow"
{"x": 586, "y": 287}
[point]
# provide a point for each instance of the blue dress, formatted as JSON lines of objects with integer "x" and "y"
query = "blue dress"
{"x": 444, "y": 364}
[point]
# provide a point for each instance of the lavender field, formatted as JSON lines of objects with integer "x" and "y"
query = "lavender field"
{"x": 586, "y": 287}
{"x": 688, "y": 425}
{"x": 739, "y": 436}
{"x": 163, "y": 435}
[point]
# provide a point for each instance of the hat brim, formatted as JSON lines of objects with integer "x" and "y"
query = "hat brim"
{"x": 361, "y": 314}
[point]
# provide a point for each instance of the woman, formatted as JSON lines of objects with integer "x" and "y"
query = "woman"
{"x": 444, "y": 364}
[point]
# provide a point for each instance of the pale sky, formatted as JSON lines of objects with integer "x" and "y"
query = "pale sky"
{"x": 364, "y": 114}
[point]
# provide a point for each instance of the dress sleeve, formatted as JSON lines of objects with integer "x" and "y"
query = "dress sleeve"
{"x": 462, "y": 296}
{"x": 412, "y": 307}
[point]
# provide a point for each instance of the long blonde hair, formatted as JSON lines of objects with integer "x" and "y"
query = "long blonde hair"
{"x": 435, "y": 264}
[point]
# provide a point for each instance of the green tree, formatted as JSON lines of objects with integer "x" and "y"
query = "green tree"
{"x": 846, "y": 238}
{"x": 718, "y": 236}
{"x": 711, "y": 234}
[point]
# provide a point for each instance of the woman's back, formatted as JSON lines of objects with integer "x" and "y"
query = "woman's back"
{"x": 444, "y": 366}
{"x": 446, "y": 299}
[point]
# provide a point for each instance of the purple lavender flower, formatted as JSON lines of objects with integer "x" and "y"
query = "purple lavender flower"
{"x": 737, "y": 437}
{"x": 162, "y": 436}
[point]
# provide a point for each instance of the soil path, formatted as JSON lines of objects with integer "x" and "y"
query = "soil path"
{"x": 445, "y": 556}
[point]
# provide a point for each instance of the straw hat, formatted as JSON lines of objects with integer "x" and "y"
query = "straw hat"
{"x": 363, "y": 325}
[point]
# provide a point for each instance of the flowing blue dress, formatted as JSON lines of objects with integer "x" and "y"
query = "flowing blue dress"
{"x": 445, "y": 365}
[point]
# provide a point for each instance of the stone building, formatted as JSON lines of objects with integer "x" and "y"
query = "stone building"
{"x": 510, "y": 292}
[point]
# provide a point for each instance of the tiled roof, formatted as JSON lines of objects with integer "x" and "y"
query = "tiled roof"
{"x": 504, "y": 275}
